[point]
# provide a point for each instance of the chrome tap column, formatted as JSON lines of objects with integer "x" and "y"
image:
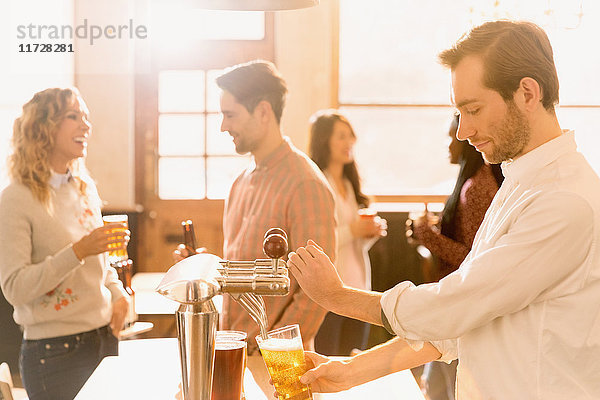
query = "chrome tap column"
{"x": 196, "y": 329}
{"x": 194, "y": 281}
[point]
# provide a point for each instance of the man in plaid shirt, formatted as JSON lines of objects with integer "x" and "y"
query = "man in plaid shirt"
{"x": 281, "y": 188}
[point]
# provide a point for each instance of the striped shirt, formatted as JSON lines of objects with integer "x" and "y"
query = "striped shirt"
{"x": 286, "y": 190}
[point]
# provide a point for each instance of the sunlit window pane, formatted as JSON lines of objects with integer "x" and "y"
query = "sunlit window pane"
{"x": 213, "y": 93}
{"x": 181, "y": 91}
{"x": 388, "y": 52}
{"x": 180, "y": 135}
{"x": 222, "y": 171}
{"x": 217, "y": 142}
{"x": 403, "y": 150}
{"x": 577, "y": 69}
{"x": 388, "y": 55}
{"x": 584, "y": 121}
{"x": 181, "y": 178}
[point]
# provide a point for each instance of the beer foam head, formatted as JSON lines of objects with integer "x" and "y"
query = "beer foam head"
{"x": 229, "y": 345}
{"x": 277, "y": 344}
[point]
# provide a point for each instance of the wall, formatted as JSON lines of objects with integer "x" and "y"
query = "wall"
{"x": 105, "y": 75}
{"x": 303, "y": 53}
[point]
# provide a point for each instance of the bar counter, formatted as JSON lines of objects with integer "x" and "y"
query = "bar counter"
{"x": 149, "y": 369}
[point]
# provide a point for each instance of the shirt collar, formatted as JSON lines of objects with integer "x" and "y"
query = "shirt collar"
{"x": 57, "y": 180}
{"x": 276, "y": 155}
{"x": 539, "y": 157}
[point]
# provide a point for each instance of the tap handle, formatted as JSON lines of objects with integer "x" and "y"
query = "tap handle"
{"x": 278, "y": 231}
{"x": 275, "y": 244}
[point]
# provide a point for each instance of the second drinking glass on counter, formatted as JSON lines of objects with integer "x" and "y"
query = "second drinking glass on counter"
{"x": 230, "y": 364}
{"x": 283, "y": 354}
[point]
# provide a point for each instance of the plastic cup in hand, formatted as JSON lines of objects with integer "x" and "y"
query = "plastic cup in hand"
{"x": 120, "y": 254}
{"x": 283, "y": 354}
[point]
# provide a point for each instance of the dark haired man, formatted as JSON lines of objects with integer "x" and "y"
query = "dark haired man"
{"x": 522, "y": 312}
{"x": 282, "y": 188}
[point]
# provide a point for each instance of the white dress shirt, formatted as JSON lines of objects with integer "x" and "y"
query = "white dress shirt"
{"x": 522, "y": 313}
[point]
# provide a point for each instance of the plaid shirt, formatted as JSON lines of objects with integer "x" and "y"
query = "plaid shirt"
{"x": 287, "y": 190}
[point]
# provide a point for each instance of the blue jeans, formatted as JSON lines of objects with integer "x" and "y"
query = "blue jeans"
{"x": 56, "y": 368}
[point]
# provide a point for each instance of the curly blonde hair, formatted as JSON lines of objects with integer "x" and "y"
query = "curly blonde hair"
{"x": 33, "y": 139}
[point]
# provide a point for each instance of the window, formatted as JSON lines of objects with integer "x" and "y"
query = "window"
{"x": 397, "y": 96}
{"x": 195, "y": 159}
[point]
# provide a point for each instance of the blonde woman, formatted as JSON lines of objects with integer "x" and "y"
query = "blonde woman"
{"x": 53, "y": 269}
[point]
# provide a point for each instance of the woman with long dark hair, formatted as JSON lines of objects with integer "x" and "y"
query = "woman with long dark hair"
{"x": 53, "y": 266}
{"x": 475, "y": 188}
{"x": 331, "y": 146}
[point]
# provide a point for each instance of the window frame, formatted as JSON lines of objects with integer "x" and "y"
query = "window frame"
{"x": 335, "y": 63}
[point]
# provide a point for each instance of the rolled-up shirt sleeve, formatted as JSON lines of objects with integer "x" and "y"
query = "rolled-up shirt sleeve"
{"x": 543, "y": 251}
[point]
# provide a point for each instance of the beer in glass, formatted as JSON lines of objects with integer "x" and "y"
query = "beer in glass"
{"x": 283, "y": 354}
{"x": 120, "y": 254}
{"x": 230, "y": 364}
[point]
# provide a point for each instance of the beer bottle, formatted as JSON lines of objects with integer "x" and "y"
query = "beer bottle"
{"x": 189, "y": 238}
{"x": 124, "y": 270}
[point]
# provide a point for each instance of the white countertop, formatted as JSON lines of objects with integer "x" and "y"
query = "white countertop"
{"x": 149, "y": 369}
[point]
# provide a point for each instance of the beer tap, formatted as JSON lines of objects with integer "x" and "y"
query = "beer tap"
{"x": 262, "y": 276}
{"x": 195, "y": 280}
{"x": 275, "y": 246}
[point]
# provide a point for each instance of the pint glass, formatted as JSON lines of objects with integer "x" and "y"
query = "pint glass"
{"x": 284, "y": 357}
{"x": 230, "y": 364}
{"x": 121, "y": 254}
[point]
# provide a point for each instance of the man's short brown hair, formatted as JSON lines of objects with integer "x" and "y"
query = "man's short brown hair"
{"x": 253, "y": 82}
{"x": 511, "y": 51}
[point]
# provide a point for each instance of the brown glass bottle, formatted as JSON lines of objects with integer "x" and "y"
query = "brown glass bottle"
{"x": 124, "y": 270}
{"x": 189, "y": 238}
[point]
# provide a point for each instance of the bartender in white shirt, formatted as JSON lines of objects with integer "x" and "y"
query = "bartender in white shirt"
{"x": 522, "y": 313}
